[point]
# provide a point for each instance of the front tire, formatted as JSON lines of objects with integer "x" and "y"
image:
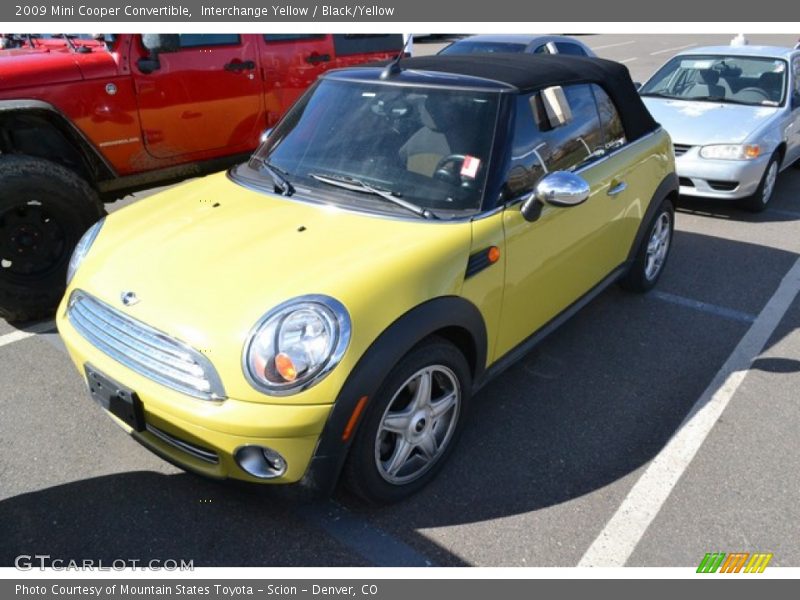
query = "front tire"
{"x": 411, "y": 425}
{"x": 652, "y": 254}
{"x": 44, "y": 210}
{"x": 763, "y": 194}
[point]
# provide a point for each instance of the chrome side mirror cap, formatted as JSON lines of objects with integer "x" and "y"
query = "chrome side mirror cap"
{"x": 264, "y": 135}
{"x": 560, "y": 188}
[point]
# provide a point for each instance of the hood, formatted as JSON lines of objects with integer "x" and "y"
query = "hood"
{"x": 28, "y": 68}
{"x": 209, "y": 258}
{"x": 696, "y": 123}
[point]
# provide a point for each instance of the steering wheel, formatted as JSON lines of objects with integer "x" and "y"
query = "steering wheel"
{"x": 446, "y": 168}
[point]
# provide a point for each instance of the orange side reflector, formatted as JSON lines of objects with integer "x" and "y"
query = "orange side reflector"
{"x": 351, "y": 423}
{"x": 493, "y": 254}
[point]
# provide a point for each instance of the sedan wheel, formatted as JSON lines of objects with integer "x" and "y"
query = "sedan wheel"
{"x": 759, "y": 201}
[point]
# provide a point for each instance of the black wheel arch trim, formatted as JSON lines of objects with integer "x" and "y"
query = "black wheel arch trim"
{"x": 446, "y": 313}
{"x": 95, "y": 162}
{"x": 668, "y": 186}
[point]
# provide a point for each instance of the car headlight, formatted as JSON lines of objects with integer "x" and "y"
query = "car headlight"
{"x": 82, "y": 249}
{"x": 296, "y": 344}
{"x": 731, "y": 151}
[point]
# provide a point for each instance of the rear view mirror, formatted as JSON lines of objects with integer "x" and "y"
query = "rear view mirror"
{"x": 558, "y": 188}
{"x": 556, "y": 106}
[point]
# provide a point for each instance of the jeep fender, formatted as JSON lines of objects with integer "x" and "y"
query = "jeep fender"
{"x": 452, "y": 317}
{"x": 44, "y": 114}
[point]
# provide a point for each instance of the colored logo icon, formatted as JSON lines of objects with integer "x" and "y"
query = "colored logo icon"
{"x": 735, "y": 562}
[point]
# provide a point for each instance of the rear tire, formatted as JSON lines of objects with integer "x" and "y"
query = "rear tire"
{"x": 653, "y": 251}
{"x": 44, "y": 210}
{"x": 410, "y": 427}
{"x": 766, "y": 188}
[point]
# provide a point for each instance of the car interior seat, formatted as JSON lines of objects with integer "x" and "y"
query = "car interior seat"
{"x": 708, "y": 86}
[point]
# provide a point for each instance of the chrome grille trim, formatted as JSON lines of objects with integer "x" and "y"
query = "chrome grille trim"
{"x": 198, "y": 452}
{"x": 143, "y": 349}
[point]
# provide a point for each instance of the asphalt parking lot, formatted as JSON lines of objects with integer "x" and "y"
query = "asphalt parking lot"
{"x": 647, "y": 431}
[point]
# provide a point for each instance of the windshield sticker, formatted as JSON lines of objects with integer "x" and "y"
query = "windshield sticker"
{"x": 470, "y": 167}
{"x": 779, "y": 66}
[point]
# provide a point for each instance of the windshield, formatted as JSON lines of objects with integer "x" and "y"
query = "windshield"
{"x": 355, "y": 142}
{"x": 719, "y": 78}
{"x": 467, "y": 47}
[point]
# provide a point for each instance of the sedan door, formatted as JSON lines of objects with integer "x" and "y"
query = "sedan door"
{"x": 563, "y": 254}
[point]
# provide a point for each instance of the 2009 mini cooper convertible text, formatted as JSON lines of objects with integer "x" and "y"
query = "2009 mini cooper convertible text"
{"x": 403, "y": 234}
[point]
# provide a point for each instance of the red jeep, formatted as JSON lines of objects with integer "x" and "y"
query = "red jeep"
{"x": 88, "y": 119}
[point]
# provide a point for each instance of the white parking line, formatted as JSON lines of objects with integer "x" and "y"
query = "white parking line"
{"x": 672, "y": 49}
{"x": 627, "y": 60}
{"x": 618, "y": 539}
{"x": 595, "y": 48}
{"x": 16, "y": 336}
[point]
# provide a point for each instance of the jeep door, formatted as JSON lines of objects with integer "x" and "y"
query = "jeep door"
{"x": 291, "y": 63}
{"x": 559, "y": 257}
{"x": 205, "y": 97}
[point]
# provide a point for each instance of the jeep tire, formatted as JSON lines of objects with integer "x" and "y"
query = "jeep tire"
{"x": 44, "y": 210}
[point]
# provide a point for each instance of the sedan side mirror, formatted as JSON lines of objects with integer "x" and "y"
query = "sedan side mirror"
{"x": 795, "y": 100}
{"x": 558, "y": 188}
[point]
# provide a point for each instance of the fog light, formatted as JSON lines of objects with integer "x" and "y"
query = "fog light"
{"x": 264, "y": 463}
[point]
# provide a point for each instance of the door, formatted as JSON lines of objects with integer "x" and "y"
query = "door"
{"x": 793, "y": 129}
{"x": 291, "y": 63}
{"x": 204, "y": 97}
{"x": 554, "y": 260}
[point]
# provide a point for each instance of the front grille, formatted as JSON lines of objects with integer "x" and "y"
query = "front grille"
{"x": 198, "y": 452}
{"x": 144, "y": 349}
{"x": 723, "y": 186}
{"x": 681, "y": 149}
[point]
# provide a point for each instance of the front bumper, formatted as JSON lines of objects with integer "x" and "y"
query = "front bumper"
{"x": 720, "y": 179}
{"x": 203, "y": 435}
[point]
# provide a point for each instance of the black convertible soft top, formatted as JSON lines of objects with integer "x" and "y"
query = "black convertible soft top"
{"x": 529, "y": 72}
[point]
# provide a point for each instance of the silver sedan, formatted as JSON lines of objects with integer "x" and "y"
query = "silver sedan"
{"x": 733, "y": 113}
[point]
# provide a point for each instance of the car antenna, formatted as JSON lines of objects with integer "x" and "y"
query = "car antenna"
{"x": 393, "y": 68}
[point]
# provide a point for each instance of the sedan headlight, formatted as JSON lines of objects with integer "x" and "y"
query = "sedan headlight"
{"x": 731, "y": 151}
{"x": 296, "y": 344}
{"x": 82, "y": 249}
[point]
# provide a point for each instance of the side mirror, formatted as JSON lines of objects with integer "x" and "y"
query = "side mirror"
{"x": 158, "y": 43}
{"x": 265, "y": 135}
{"x": 795, "y": 100}
{"x": 558, "y": 188}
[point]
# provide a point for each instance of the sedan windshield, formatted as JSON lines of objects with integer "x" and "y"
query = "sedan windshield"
{"x": 366, "y": 144}
{"x": 718, "y": 78}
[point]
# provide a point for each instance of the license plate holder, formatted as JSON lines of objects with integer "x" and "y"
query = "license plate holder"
{"x": 119, "y": 400}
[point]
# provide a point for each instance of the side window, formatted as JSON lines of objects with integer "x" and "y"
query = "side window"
{"x": 568, "y": 48}
{"x": 356, "y": 43}
{"x": 796, "y": 70}
{"x": 291, "y": 37}
{"x": 537, "y": 150}
{"x": 613, "y": 131}
{"x": 196, "y": 40}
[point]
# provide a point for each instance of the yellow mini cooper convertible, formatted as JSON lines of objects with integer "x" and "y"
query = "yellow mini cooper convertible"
{"x": 325, "y": 311}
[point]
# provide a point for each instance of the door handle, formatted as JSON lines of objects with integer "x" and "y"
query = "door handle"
{"x": 240, "y": 65}
{"x": 318, "y": 58}
{"x": 617, "y": 188}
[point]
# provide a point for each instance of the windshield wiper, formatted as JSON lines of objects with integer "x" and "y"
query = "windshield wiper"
{"x": 356, "y": 185}
{"x": 278, "y": 176}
